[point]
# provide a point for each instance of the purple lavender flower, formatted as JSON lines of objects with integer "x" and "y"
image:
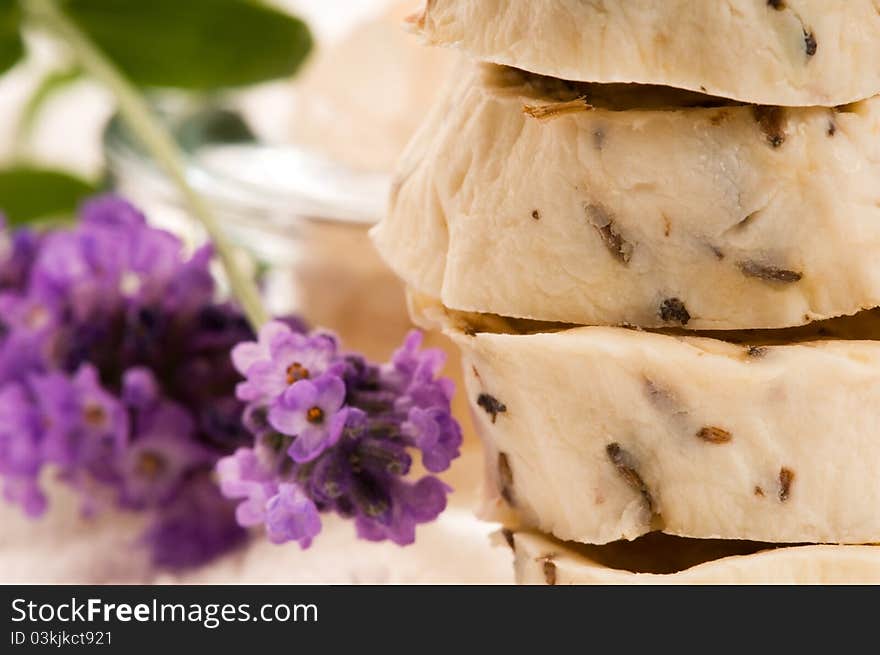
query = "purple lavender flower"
{"x": 115, "y": 372}
{"x": 103, "y": 418}
{"x": 81, "y": 422}
{"x": 243, "y": 476}
{"x": 161, "y": 454}
{"x": 33, "y": 314}
{"x": 191, "y": 287}
{"x": 292, "y": 516}
{"x": 413, "y": 375}
{"x": 409, "y": 505}
{"x": 196, "y": 526}
{"x": 310, "y": 412}
{"x": 279, "y": 359}
{"x": 341, "y": 442}
{"x": 111, "y": 211}
{"x": 20, "y": 354}
{"x": 17, "y": 252}
{"x": 246, "y": 354}
{"x": 20, "y": 449}
{"x": 140, "y": 390}
{"x": 111, "y": 257}
{"x": 436, "y": 434}
{"x": 411, "y": 364}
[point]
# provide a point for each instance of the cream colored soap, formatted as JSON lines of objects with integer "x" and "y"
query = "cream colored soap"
{"x": 542, "y": 560}
{"x": 789, "y": 52}
{"x": 596, "y": 434}
{"x": 604, "y": 205}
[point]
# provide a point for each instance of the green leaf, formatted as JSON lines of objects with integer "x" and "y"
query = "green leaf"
{"x": 194, "y": 44}
{"x": 28, "y": 194}
{"x": 11, "y": 46}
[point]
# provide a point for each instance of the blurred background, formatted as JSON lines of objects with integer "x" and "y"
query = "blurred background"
{"x": 297, "y": 170}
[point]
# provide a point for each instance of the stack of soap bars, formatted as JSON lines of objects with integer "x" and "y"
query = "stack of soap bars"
{"x": 653, "y": 229}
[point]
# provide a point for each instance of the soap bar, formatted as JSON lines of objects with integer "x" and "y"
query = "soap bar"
{"x": 780, "y": 52}
{"x": 541, "y": 560}
{"x": 597, "y": 434}
{"x": 590, "y": 204}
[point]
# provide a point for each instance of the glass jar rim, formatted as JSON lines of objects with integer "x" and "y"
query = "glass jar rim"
{"x": 283, "y": 183}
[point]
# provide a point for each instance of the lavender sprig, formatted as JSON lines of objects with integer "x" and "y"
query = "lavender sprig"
{"x": 334, "y": 433}
{"x": 115, "y": 373}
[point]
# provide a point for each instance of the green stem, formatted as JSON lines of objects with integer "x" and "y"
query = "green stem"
{"x": 156, "y": 139}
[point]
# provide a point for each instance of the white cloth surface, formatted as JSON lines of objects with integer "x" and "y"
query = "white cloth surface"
{"x": 62, "y": 547}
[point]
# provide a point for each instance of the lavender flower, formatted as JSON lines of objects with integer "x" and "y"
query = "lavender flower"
{"x": 155, "y": 465}
{"x": 280, "y": 358}
{"x": 17, "y": 253}
{"x": 436, "y": 434}
{"x": 244, "y": 476}
{"x": 197, "y": 525}
{"x": 20, "y": 448}
{"x": 81, "y": 422}
{"x": 312, "y": 413}
{"x": 339, "y": 440}
{"x": 115, "y": 373}
{"x": 292, "y": 516}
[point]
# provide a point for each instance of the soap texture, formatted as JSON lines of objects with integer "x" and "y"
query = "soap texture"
{"x": 596, "y": 434}
{"x": 781, "y": 52}
{"x": 528, "y": 197}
